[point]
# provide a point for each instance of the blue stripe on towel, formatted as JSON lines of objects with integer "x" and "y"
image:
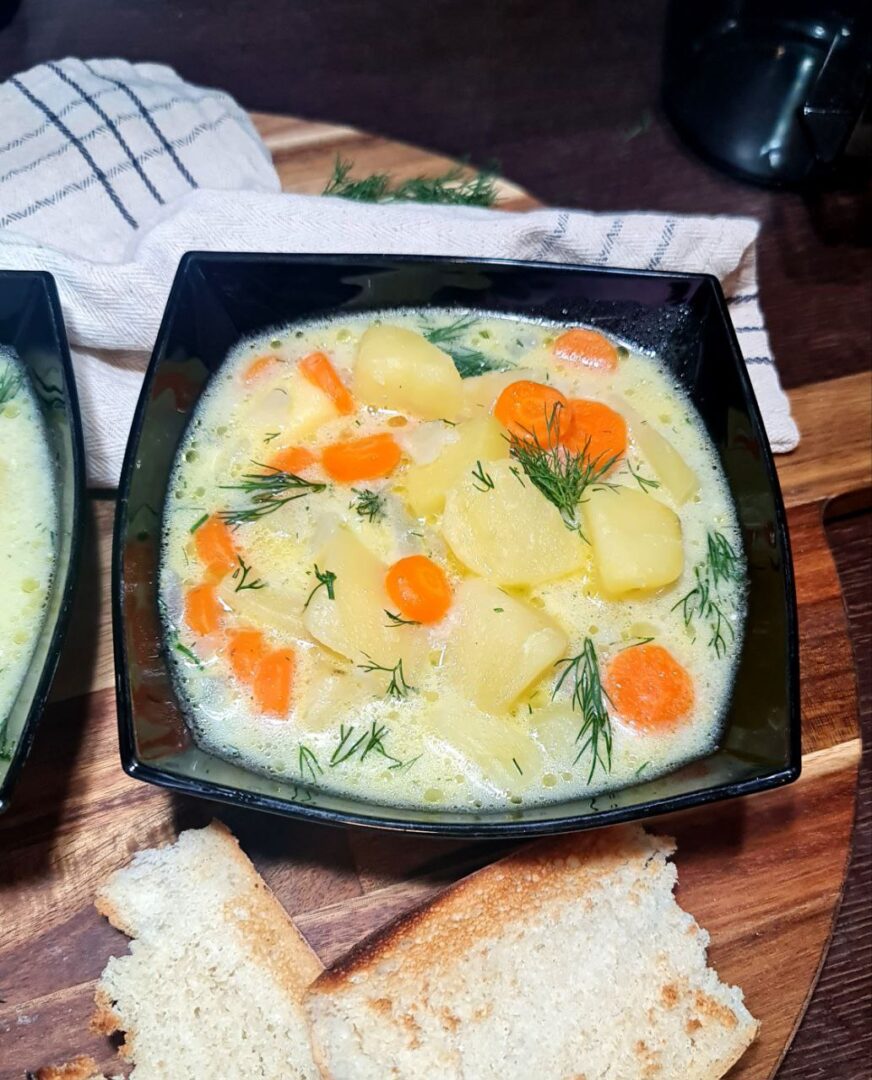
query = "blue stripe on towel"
{"x": 149, "y": 119}
{"x": 609, "y": 242}
{"x": 65, "y": 131}
{"x": 663, "y": 245}
{"x": 748, "y": 329}
{"x": 742, "y": 298}
{"x": 758, "y": 360}
{"x": 107, "y": 120}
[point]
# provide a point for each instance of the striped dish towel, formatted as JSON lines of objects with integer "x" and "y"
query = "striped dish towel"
{"x": 110, "y": 171}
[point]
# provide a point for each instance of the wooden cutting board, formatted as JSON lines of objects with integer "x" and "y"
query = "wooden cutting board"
{"x": 764, "y": 874}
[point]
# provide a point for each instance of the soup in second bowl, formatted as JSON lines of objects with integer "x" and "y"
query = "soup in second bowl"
{"x": 450, "y": 559}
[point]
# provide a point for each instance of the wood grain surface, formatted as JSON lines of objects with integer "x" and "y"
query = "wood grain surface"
{"x": 76, "y": 816}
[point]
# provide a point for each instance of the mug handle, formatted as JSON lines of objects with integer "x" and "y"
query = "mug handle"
{"x": 837, "y": 98}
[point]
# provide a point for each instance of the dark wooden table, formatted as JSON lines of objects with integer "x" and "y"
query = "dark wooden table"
{"x": 563, "y": 94}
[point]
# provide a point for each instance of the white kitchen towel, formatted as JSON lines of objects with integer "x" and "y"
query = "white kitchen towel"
{"x": 110, "y": 171}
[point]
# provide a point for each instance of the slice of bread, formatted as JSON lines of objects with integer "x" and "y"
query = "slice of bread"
{"x": 569, "y": 960}
{"x": 214, "y": 980}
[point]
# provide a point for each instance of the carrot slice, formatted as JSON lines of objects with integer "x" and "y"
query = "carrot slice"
{"x": 361, "y": 459}
{"x": 293, "y": 459}
{"x": 533, "y": 411}
{"x": 272, "y": 681}
{"x": 596, "y": 429}
{"x": 649, "y": 688}
{"x": 246, "y": 649}
{"x": 419, "y": 588}
{"x": 586, "y": 347}
{"x": 316, "y": 367}
{"x": 259, "y": 366}
{"x": 215, "y": 548}
{"x": 202, "y": 610}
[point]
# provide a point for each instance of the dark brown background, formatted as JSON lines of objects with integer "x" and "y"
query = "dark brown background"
{"x": 563, "y": 96}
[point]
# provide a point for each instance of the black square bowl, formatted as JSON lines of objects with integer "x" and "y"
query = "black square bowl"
{"x": 218, "y": 298}
{"x": 32, "y": 324}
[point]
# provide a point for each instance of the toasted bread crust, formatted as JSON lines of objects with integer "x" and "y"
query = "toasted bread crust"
{"x": 80, "y": 1068}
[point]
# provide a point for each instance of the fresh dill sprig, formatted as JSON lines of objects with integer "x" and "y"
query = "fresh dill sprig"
{"x": 10, "y": 384}
{"x": 469, "y": 361}
{"x": 370, "y": 742}
{"x": 326, "y": 580}
{"x": 269, "y": 491}
{"x": 455, "y": 187}
{"x": 397, "y": 687}
{"x": 397, "y": 620}
{"x": 562, "y": 476}
{"x": 308, "y": 761}
{"x": 200, "y": 521}
{"x": 242, "y": 581}
{"x": 482, "y": 481}
{"x": 589, "y": 698}
{"x": 644, "y": 483}
{"x": 188, "y": 654}
{"x": 450, "y": 333}
{"x": 704, "y": 601}
{"x": 368, "y": 504}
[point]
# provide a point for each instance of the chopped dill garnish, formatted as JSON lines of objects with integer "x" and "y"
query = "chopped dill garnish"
{"x": 243, "y": 583}
{"x": 455, "y": 187}
{"x": 644, "y": 765}
{"x": 188, "y": 654}
{"x": 644, "y": 483}
{"x": 326, "y": 580}
{"x": 308, "y": 761}
{"x": 562, "y": 476}
{"x": 10, "y": 384}
{"x": 638, "y": 641}
{"x": 270, "y": 435}
{"x": 370, "y": 742}
{"x": 483, "y": 481}
{"x": 589, "y": 698}
{"x": 468, "y": 360}
{"x": 269, "y": 491}
{"x": 368, "y": 504}
{"x": 397, "y": 687}
{"x": 720, "y": 565}
{"x": 517, "y": 766}
{"x": 404, "y": 766}
{"x": 499, "y": 610}
{"x": 200, "y": 521}
{"x": 397, "y": 620}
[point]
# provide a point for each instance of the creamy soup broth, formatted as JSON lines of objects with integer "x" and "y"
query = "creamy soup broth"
{"x": 572, "y": 619}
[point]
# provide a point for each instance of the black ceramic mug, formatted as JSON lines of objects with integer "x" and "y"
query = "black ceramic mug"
{"x": 771, "y": 92}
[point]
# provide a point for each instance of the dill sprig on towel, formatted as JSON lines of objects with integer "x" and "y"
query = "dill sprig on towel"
{"x": 454, "y": 187}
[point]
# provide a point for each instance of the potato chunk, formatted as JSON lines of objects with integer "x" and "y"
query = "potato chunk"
{"x": 477, "y": 440}
{"x": 636, "y": 540}
{"x": 508, "y": 532}
{"x": 399, "y": 369}
{"x": 500, "y": 645}
{"x": 508, "y": 757}
{"x": 308, "y": 408}
{"x": 672, "y": 471}
{"x": 353, "y": 623}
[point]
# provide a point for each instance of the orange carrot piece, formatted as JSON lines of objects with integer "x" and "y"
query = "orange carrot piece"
{"x": 419, "y": 588}
{"x": 202, "y": 610}
{"x": 649, "y": 688}
{"x": 245, "y": 649}
{"x": 213, "y": 542}
{"x": 586, "y": 347}
{"x": 316, "y": 367}
{"x": 273, "y": 680}
{"x": 368, "y": 458}
{"x": 259, "y": 366}
{"x": 293, "y": 459}
{"x": 533, "y": 412}
{"x": 595, "y": 428}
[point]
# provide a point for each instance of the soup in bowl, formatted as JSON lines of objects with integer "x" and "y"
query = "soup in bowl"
{"x": 451, "y": 559}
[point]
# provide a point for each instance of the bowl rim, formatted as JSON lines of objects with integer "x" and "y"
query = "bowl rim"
{"x": 228, "y": 794}
{"x": 71, "y": 570}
